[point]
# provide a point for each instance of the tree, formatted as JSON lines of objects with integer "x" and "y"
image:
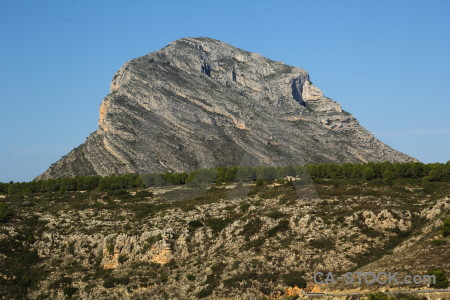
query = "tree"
{"x": 368, "y": 173}
{"x": 388, "y": 176}
{"x": 436, "y": 173}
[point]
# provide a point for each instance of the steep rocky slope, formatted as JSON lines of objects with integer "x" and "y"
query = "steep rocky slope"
{"x": 200, "y": 102}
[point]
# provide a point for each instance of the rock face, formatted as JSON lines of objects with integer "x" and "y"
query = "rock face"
{"x": 200, "y": 103}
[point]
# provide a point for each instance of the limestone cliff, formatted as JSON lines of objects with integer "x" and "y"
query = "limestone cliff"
{"x": 200, "y": 102}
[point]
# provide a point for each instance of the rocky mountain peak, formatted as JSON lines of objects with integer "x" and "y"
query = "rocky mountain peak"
{"x": 200, "y": 102}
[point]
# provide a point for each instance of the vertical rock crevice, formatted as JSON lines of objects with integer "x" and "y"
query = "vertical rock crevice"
{"x": 297, "y": 90}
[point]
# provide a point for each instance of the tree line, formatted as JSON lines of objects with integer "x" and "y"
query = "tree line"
{"x": 386, "y": 171}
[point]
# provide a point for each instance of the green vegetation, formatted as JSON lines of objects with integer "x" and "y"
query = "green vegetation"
{"x": 445, "y": 229}
{"x": 408, "y": 297}
{"x": 294, "y": 278}
{"x": 238, "y": 280}
{"x": 110, "y": 246}
{"x": 276, "y": 214}
{"x": 217, "y": 224}
{"x": 437, "y": 242}
{"x": 190, "y": 277}
{"x": 252, "y": 227}
{"x": 377, "y": 296}
{"x": 19, "y": 263}
{"x": 255, "y": 244}
{"x": 69, "y": 291}
{"x": 441, "y": 279}
{"x": 322, "y": 243}
{"x": 195, "y": 224}
{"x": 5, "y": 213}
{"x": 111, "y": 281}
{"x": 402, "y": 190}
{"x": 282, "y": 226}
{"x": 385, "y": 171}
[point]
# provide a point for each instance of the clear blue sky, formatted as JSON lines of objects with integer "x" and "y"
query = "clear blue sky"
{"x": 387, "y": 62}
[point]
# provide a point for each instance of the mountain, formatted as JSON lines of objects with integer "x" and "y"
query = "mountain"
{"x": 200, "y": 103}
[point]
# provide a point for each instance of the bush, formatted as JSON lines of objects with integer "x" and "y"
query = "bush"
{"x": 110, "y": 246}
{"x": 441, "y": 280}
{"x": 205, "y": 292}
{"x": 322, "y": 243}
{"x": 5, "y": 213}
{"x": 445, "y": 229}
{"x": 255, "y": 244}
{"x": 282, "y": 226}
{"x": 252, "y": 227}
{"x": 276, "y": 214}
{"x": 144, "y": 193}
{"x": 70, "y": 290}
{"x": 190, "y": 277}
{"x": 218, "y": 224}
{"x": 259, "y": 182}
{"x": 195, "y": 224}
{"x": 378, "y": 296}
{"x": 110, "y": 282}
{"x": 437, "y": 242}
{"x": 294, "y": 278}
{"x": 122, "y": 258}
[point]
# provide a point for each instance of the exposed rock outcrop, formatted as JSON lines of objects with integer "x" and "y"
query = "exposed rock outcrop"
{"x": 200, "y": 103}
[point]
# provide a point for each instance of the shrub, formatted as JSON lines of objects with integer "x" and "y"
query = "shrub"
{"x": 110, "y": 282}
{"x": 153, "y": 239}
{"x": 218, "y": 224}
{"x": 437, "y": 242}
{"x": 259, "y": 182}
{"x": 144, "y": 193}
{"x": 190, "y": 277}
{"x": 5, "y": 213}
{"x": 255, "y": 244}
{"x": 195, "y": 224}
{"x": 322, "y": 243}
{"x": 441, "y": 280}
{"x": 445, "y": 229}
{"x": 110, "y": 246}
{"x": 294, "y": 278}
{"x": 205, "y": 292}
{"x": 236, "y": 279}
{"x": 122, "y": 259}
{"x": 244, "y": 206}
{"x": 408, "y": 297}
{"x": 282, "y": 226}
{"x": 252, "y": 227}
{"x": 276, "y": 214}
{"x": 71, "y": 247}
{"x": 70, "y": 290}
{"x": 377, "y": 296}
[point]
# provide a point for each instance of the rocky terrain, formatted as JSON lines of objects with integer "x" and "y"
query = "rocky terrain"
{"x": 227, "y": 241}
{"x": 201, "y": 103}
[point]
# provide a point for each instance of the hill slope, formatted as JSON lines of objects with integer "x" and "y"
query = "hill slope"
{"x": 228, "y": 241}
